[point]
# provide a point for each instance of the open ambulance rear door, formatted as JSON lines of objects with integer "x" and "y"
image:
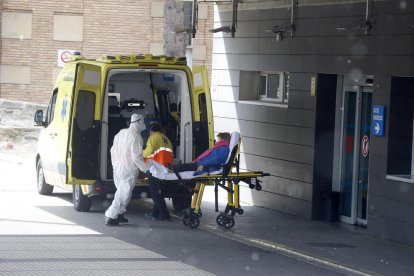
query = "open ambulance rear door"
{"x": 202, "y": 111}
{"x": 85, "y": 126}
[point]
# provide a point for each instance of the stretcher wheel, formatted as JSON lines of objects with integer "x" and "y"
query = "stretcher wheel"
{"x": 185, "y": 219}
{"x": 220, "y": 219}
{"x": 187, "y": 211}
{"x": 228, "y": 222}
{"x": 193, "y": 222}
{"x": 240, "y": 211}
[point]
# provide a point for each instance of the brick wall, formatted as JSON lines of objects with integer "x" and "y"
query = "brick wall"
{"x": 110, "y": 27}
{"x": 40, "y": 52}
{"x": 1, "y": 24}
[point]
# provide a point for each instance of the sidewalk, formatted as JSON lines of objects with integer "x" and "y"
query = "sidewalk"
{"x": 340, "y": 247}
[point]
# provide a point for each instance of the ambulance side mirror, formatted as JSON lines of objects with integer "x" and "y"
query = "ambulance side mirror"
{"x": 38, "y": 118}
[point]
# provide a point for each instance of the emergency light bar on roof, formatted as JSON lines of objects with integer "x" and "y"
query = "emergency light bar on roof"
{"x": 75, "y": 56}
{"x": 148, "y": 58}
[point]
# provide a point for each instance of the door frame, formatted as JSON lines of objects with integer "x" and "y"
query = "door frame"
{"x": 351, "y": 84}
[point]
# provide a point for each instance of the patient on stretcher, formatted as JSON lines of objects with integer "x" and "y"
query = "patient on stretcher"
{"x": 225, "y": 174}
{"x": 210, "y": 162}
{"x": 211, "y": 159}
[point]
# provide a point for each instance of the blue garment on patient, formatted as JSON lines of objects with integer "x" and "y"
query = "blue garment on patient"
{"x": 213, "y": 161}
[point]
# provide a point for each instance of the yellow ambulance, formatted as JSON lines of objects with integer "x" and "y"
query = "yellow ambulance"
{"x": 93, "y": 100}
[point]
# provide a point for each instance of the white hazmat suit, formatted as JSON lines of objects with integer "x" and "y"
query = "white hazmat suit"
{"x": 127, "y": 161}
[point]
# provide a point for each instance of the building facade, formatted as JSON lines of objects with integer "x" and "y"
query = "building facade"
{"x": 322, "y": 96}
{"x": 36, "y": 33}
{"x": 323, "y": 99}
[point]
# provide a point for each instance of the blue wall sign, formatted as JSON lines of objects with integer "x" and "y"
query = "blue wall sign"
{"x": 378, "y": 118}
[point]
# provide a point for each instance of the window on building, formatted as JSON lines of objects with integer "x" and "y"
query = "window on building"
{"x": 400, "y": 159}
{"x": 16, "y": 25}
{"x": 274, "y": 87}
{"x": 270, "y": 87}
{"x": 61, "y": 31}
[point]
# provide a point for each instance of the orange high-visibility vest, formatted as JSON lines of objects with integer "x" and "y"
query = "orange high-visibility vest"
{"x": 163, "y": 156}
{"x": 159, "y": 148}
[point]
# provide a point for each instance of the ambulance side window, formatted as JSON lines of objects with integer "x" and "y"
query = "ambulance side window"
{"x": 85, "y": 110}
{"x": 51, "y": 108}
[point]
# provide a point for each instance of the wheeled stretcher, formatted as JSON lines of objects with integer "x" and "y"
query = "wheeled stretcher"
{"x": 229, "y": 177}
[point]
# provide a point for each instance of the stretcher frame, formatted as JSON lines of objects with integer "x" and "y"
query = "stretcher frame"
{"x": 229, "y": 180}
{"x": 230, "y": 183}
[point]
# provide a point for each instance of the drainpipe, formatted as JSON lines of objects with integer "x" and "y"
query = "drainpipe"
{"x": 368, "y": 17}
{"x": 234, "y": 18}
{"x": 195, "y": 18}
{"x": 293, "y": 16}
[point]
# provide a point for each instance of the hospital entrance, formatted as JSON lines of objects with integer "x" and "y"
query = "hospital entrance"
{"x": 353, "y": 129}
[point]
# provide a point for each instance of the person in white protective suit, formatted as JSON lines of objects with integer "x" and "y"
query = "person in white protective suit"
{"x": 127, "y": 161}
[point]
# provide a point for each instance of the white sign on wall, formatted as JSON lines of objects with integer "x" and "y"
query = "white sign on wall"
{"x": 63, "y": 56}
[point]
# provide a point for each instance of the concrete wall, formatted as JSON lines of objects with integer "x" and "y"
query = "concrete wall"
{"x": 391, "y": 202}
{"x": 280, "y": 140}
{"x": 92, "y": 27}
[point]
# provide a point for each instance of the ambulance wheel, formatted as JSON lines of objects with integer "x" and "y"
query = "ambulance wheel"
{"x": 220, "y": 219}
{"x": 181, "y": 203}
{"x": 42, "y": 187}
{"x": 228, "y": 222}
{"x": 81, "y": 203}
{"x": 193, "y": 222}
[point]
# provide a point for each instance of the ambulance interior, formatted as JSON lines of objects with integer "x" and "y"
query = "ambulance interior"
{"x": 161, "y": 96}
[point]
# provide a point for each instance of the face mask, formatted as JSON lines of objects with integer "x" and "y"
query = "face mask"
{"x": 138, "y": 124}
{"x": 141, "y": 126}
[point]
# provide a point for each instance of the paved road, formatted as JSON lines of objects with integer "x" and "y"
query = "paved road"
{"x": 44, "y": 235}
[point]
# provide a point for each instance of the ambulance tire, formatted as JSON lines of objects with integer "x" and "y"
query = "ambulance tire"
{"x": 181, "y": 203}
{"x": 42, "y": 187}
{"x": 81, "y": 203}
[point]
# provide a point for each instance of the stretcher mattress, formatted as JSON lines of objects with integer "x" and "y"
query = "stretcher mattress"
{"x": 161, "y": 172}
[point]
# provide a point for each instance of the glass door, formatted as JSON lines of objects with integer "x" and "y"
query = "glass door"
{"x": 356, "y": 125}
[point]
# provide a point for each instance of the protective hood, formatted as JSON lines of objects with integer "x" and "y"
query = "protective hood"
{"x": 137, "y": 122}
